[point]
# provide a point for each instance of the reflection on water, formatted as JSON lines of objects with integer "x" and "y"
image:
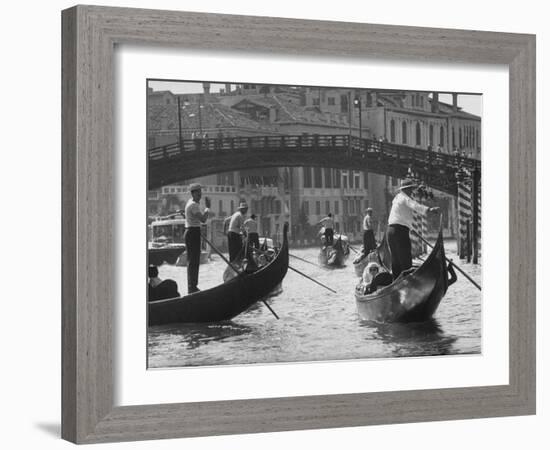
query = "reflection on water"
{"x": 314, "y": 325}
{"x": 414, "y": 339}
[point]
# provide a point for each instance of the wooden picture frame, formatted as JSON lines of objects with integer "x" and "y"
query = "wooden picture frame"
{"x": 90, "y": 34}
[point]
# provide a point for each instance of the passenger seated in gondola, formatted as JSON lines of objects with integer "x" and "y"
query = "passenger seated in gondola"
{"x": 160, "y": 289}
{"x": 366, "y": 285}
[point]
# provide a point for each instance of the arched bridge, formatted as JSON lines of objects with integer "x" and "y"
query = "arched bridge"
{"x": 199, "y": 157}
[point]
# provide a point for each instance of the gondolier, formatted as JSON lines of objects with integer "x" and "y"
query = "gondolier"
{"x": 193, "y": 219}
{"x": 369, "y": 243}
{"x": 400, "y": 222}
{"x": 234, "y": 233}
{"x": 328, "y": 223}
{"x": 251, "y": 227}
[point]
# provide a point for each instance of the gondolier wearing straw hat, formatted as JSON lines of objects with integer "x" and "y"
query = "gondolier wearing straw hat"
{"x": 234, "y": 239}
{"x": 194, "y": 217}
{"x": 400, "y": 222}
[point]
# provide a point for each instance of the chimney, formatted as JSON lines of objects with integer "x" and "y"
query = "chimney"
{"x": 455, "y": 102}
{"x": 228, "y": 89}
{"x": 272, "y": 114}
{"x": 435, "y": 102}
{"x": 206, "y": 87}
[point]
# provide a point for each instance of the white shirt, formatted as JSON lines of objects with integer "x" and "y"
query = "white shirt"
{"x": 402, "y": 209}
{"x": 236, "y": 222}
{"x": 192, "y": 214}
{"x": 328, "y": 222}
{"x": 251, "y": 225}
{"x": 367, "y": 223}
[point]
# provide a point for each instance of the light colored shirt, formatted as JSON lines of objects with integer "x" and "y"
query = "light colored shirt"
{"x": 328, "y": 222}
{"x": 251, "y": 225}
{"x": 236, "y": 222}
{"x": 193, "y": 214}
{"x": 402, "y": 209}
{"x": 367, "y": 223}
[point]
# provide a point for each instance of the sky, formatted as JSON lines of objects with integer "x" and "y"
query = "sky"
{"x": 468, "y": 102}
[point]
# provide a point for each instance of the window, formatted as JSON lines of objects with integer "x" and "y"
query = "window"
{"x": 418, "y": 134}
{"x": 421, "y": 98}
{"x": 441, "y": 137}
{"x": 328, "y": 178}
{"x": 278, "y": 207}
{"x": 307, "y": 177}
{"x": 318, "y": 177}
{"x": 232, "y": 207}
{"x": 305, "y": 206}
{"x": 460, "y": 137}
{"x": 369, "y": 100}
{"x": 345, "y": 179}
{"x": 315, "y": 102}
{"x": 331, "y": 101}
{"x": 366, "y": 179}
{"x": 351, "y": 207}
{"x": 318, "y": 208}
{"x": 358, "y": 206}
{"x": 477, "y": 138}
{"x": 453, "y": 137}
{"x": 431, "y": 137}
{"x": 336, "y": 207}
{"x": 327, "y": 206}
{"x": 337, "y": 177}
{"x": 343, "y": 103}
{"x": 404, "y": 132}
{"x": 220, "y": 206}
{"x": 345, "y": 203}
{"x": 392, "y": 130}
{"x": 356, "y": 180}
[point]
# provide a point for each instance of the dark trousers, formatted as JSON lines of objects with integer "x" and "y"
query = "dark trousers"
{"x": 235, "y": 244}
{"x": 254, "y": 240}
{"x": 329, "y": 236}
{"x": 193, "y": 244}
{"x": 400, "y": 247}
{"x": 369, "y": 244}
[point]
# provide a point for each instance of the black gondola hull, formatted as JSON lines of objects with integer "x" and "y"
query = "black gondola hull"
{"x": 411, "y": 298}
{"x": 225, "y": 301}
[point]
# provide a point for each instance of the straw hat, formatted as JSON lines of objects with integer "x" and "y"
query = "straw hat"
{"x": 408, "y": 183}
{"x": 194, "y": 187}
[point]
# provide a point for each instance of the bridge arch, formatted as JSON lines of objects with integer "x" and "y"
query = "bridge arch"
{"x": 195, "y": 158}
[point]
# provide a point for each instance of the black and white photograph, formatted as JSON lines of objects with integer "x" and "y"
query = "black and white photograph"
{"x": 306, "y": 223}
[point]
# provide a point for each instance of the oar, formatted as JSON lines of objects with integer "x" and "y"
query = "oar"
{"x": 301, "y": 273}
{"x": 451, "y": 262}
{"x": 236, "y": 271}
{"x": 304, "y": 260}
{"x": 311, "y": 279}
{"x": 356, "y": 251}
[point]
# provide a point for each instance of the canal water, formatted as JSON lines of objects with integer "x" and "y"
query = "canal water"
{"x": 315, "y": 324}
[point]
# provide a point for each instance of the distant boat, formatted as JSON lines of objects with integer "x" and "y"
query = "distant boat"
{"x": 335, "y": 255}
{"x": 226, "y": 300}
{"x": 413, "y": 296}
{"x": 167, "y": 242}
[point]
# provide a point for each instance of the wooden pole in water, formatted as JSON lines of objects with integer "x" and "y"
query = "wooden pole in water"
{"x": 476, "y": 180}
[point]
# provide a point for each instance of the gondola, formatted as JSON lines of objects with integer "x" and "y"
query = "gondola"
{"x": 226, "y": 300}
{"x": 168, "y": 255}
{"x": 334, "y": 255}
{"x": 414, "y": 296}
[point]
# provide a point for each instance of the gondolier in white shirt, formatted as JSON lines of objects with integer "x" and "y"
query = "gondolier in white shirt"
{"x": 194, "y": 217}
{"x": 234, "y": 233}
{"x": 251, "y": 227}
{"x": 400, "y": 222}
{"x": 328, "y": 223}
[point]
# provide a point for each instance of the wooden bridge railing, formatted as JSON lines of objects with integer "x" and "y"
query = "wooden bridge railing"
{"x": 395, "y": 153}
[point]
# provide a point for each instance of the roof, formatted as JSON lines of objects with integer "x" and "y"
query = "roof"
{"x": 213, "y": 115}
